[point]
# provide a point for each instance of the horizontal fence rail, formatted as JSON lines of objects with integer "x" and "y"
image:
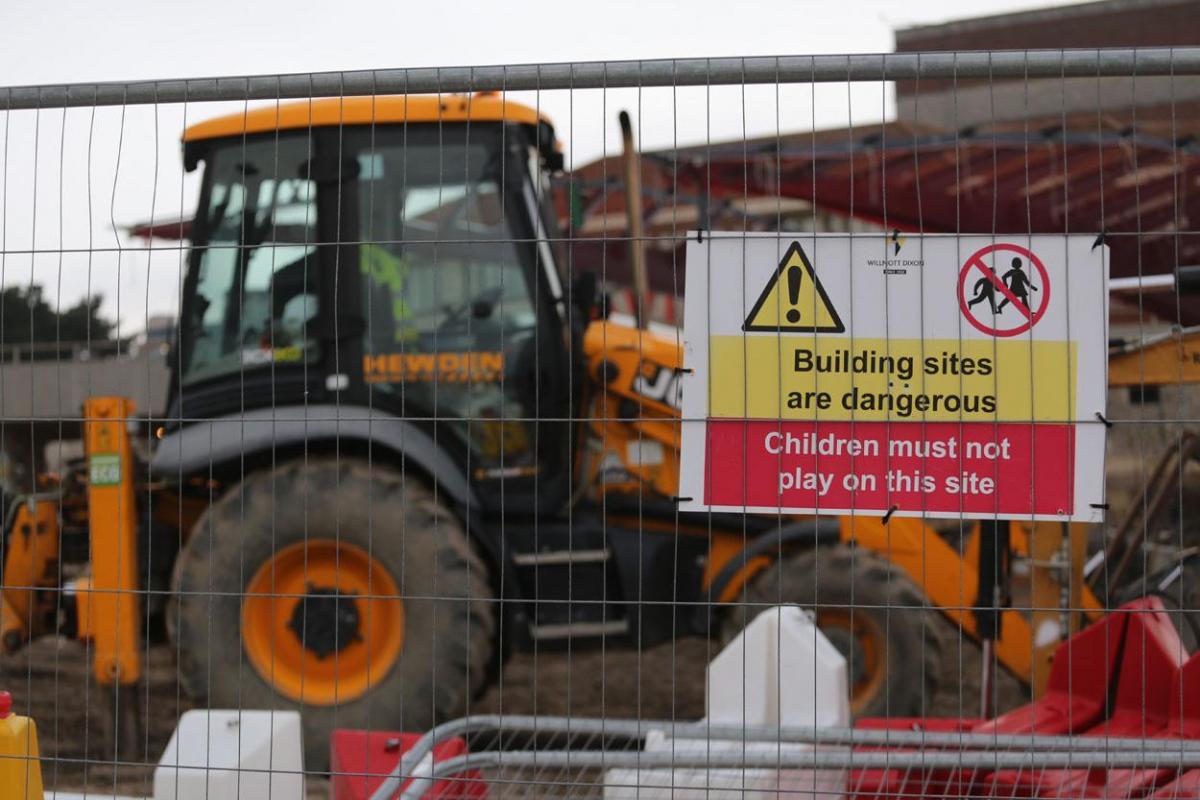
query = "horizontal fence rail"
{"x": 1083, "y": 63}
{"x": 946, "y": 750}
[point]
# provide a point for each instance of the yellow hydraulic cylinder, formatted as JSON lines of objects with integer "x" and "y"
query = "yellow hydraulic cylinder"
{"x": 20, "y": 767}
{"x": 112, "y": 521}
{"x": 31, "y": 562}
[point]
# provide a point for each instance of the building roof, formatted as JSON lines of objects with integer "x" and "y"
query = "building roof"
{"x": 1136, "y": 188}
{"x": 1108, "y": 23}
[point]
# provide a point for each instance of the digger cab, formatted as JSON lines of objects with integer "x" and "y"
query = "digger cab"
{"x": 385, "y": 253}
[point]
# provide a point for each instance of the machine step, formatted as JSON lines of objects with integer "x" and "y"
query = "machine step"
{"x": 547, "y": 558}
{"x": 567, "y": 630}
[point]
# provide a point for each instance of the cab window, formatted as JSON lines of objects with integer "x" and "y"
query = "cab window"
{"x": 256, "y": 273}
{"x": 450, "y": 315}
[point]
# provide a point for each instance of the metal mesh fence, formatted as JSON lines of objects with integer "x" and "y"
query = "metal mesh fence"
{"x": 787, "y": 426}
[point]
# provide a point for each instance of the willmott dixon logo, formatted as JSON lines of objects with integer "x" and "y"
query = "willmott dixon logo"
{"x": 894, "y": 265}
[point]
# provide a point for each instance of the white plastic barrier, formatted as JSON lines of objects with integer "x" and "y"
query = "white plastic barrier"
{"x": 226, "y": 755}
{"x": 781, "y": 670}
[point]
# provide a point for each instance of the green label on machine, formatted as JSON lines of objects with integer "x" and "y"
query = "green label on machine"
{"x": 105, "y": 469}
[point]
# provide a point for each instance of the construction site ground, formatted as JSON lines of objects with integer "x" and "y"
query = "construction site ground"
{"x": 51, "y": 679}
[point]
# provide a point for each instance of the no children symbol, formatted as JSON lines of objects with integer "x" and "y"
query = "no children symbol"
{"x": 1003, "y": 289}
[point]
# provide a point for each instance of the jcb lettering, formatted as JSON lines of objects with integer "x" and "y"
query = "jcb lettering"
{"x": 662, "y": 386}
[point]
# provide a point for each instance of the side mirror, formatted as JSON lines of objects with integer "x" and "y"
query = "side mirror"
{"x": 590, "y": 301}
{"x": 552, "y": 157}
{"x": 555, "y": 162}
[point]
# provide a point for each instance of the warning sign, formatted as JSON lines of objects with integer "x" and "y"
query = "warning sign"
{"x": 982, "y": 283}
{"x": 926, "y": 375}
{"x": 794, "y": 299}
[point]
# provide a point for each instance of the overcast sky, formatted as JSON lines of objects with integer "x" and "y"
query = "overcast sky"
{"x": 70, "y": 181}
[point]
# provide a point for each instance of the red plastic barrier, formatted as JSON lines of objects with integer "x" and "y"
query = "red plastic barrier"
{"x": 1075, "y": 697}
{"x": 1183, "y": 723}
{"x": 1076, "y": 693}
{"x": 1185, "y": 787}
{"x": 1133, "y": 661}
{"x": 360, "y": 760}
{"x": 1147, "y": 683}
{"x": 891, "y": 784}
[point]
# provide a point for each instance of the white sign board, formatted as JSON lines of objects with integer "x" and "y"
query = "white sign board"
{"x": 939, "y": 375}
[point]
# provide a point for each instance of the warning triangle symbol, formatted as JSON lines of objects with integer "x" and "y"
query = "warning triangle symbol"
{"x": 794, "y": 300}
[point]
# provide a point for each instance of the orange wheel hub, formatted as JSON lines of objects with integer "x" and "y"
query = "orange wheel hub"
{"x": 322, "y": 622}
{"x": 861, "y": 641}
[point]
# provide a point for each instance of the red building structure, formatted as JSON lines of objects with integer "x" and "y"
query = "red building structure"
{"x": 1114, "y": 157}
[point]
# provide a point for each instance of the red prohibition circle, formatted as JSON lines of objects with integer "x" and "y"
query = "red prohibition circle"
{"x": 976, "y": 260}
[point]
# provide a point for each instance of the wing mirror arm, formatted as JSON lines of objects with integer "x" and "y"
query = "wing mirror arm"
{"x": 589, "y": 299}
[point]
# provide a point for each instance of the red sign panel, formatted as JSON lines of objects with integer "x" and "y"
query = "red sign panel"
{"x": 937, "y": 467}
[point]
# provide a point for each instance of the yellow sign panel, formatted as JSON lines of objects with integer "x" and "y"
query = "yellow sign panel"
{"x": 794, "y": 300}
{"x": 813, "y": 377}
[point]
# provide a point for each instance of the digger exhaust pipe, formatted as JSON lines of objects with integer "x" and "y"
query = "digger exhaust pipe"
{"x": 633, "y": 214}
{"x": 1184, "y": 280}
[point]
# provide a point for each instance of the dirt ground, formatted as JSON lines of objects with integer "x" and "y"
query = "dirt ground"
{"x": 51, "y": 681}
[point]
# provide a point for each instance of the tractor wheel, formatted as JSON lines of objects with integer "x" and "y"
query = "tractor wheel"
{"x": 345, "y": 592}
{"x": 871, "y": 612}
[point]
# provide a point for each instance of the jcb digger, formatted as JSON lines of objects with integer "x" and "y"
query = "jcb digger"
{"x": 402, "y": 442}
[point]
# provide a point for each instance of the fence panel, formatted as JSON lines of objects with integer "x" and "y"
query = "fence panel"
{"x": 800, "y": 426}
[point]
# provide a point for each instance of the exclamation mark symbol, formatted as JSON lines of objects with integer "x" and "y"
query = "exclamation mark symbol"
{"x": 794, "y": 275}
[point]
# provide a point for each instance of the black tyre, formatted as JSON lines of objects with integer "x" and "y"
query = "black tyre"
{"x": 872, "y": 613}
{"x": 345, "y": 592}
